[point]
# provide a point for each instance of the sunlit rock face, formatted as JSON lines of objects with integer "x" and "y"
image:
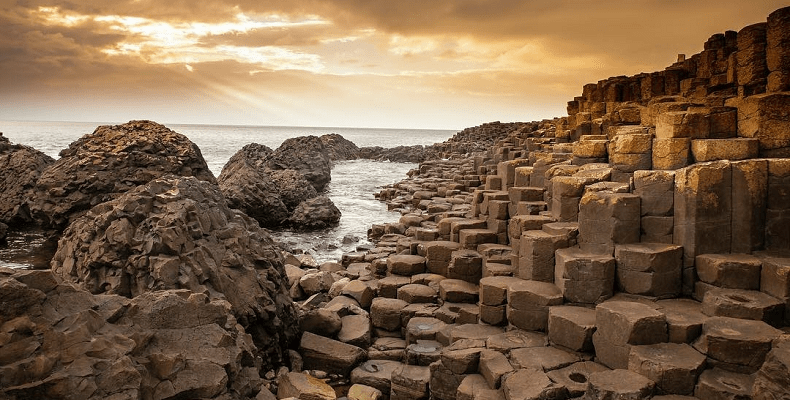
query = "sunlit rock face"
{"x": 108, "y": 162}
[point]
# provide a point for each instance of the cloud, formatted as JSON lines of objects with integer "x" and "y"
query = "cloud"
{"x": 288, "y": 60}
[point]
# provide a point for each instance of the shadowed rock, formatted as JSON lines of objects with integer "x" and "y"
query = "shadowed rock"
{"x": 20, "y": 167}
{"x": 307, "y": 155}
{"x": 248, "y": 187}
{"x": 175, "y": 233}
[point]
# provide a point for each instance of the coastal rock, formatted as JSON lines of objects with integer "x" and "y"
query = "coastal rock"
{"x": 109, "y": 162}
{"x": 3, "y": 231}
{"x": 307, "y": 155}
{"x": 403, "y": 154}
{"x": 248, "y": 187}
{"x": 178, "y": 233}
{"x": 274, "y": 197}
{"x": 293, "y": 187}
{"x": 339, "y": 148}
{"x": 20, "y": 167}
{"x": 168, "y": 344}
{"x": 316, "y": 213}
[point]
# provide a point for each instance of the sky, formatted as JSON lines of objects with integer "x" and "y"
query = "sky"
{"x": 440, "y": 64}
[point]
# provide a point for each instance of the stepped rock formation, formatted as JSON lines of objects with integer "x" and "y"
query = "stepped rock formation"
{"x": 112, "y": 160}
{"x": 177, "y": 233}
{"x": 638, "y": 248}
{"x": 20, "y": 167}
{"x": 62, "y": 342}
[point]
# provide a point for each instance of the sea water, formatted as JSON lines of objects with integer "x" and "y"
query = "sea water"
{"x": 351, "y": 189}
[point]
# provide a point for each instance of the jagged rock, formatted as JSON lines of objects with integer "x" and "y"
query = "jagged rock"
{"x": 248, "y": 187}
{"x": 177, "y": 232}
{"x": 305, "y": 154}
{"x": 20, "y": 167}
{"x": 339, "y": 148}
{"x": 3, "y": 231}
{"x": 112, "y": 160}
{"x": 316, "y": 213}
{"x": 293, "y": 187}
{"x": 164, "y": 344}
{"x": 271, "y": 196}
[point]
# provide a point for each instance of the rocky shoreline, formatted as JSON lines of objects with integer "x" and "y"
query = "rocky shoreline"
{"x": 637, "y": 248}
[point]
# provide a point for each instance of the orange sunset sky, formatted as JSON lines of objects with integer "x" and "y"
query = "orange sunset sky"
{"x": 344, "y": 63}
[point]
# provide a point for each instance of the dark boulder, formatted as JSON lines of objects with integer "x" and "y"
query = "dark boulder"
{"x": 306, "y": 155}
{"x": 339, "y": 148}
{"x": 316, "y": 213}
{"x": 271, "y": 196}
{"x": 292, "y": 186}
{"x": 248, "y": 187}
{"x": 20, "y": 168}
{"x": 109, "y": 162}
{"x": 178, "y": 233}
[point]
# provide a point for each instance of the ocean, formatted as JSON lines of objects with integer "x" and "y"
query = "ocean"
{"x": 351, "y": 189}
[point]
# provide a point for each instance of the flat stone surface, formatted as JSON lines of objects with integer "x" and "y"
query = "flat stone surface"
{"x": 417, "y": 293}
{"x": 493, "y": 289}
{"x": 473, "y": 331}
{"x": 386, "y": 313}
{"x": 572, "y": 327}
{"x": 684, "y": 319}
{"x": 542, "y": 358}
{"x": 423, "y": 328}
{"x": 619, "y": 384}
{"x": 375, "y": 373}
{"x": 410, "y": 382}
{"x": 493, "y": 366}
{"x": 720, "y": 384}
{"x": 423, "y": 353}
{"x": 515, "y": 339}
{"x": 575, "y": 376}
{"x": 329, "y": 355}
{"x": 673, "y": 367}
{"x": 406, "y": 265}
{"x": 303, "y": 386}
{"x": 471, "y": 386}
{"x": 458, "y": 291}
{"x": 743, "y": 304}
{"x": 732, "y": 271}
{"x": 630, "y": 322}
{"x": 356, "y": 330}
{"x": 530, "y": 384}
{"x": 737, "y": 342}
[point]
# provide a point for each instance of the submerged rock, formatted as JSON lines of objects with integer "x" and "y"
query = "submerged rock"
{"x": 109, "y": 162}
{"x": 178, "y": 233}
{"x": 66, "y": 343}
{"x": 316, "y": 213}
{"x": 20, "y": 167}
